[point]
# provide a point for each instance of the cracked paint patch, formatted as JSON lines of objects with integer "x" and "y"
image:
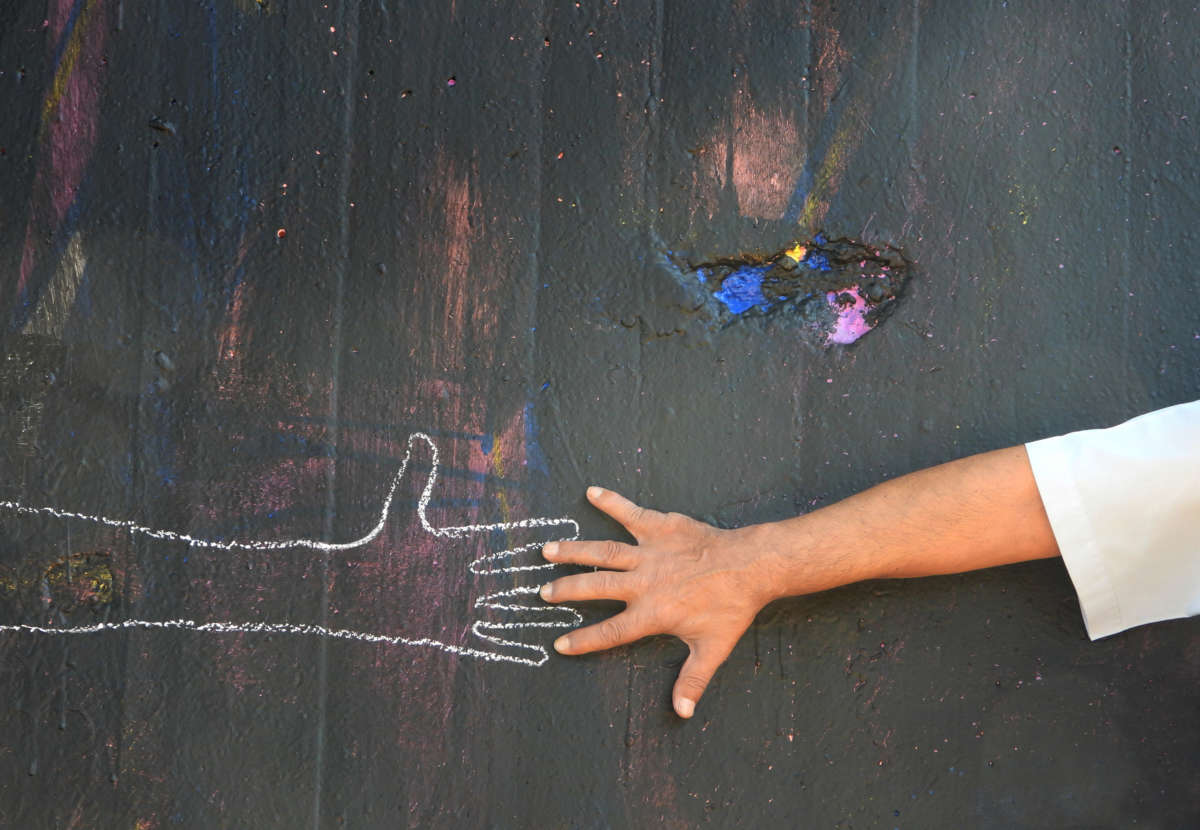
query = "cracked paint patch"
{"x": 839, "y": 289}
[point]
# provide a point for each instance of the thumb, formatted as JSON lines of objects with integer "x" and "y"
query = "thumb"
{"x": 417, "y": 478}
{"x": 697, "y": 671}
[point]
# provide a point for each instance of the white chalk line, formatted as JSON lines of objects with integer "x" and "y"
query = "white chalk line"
{"x": 484, "y": 565}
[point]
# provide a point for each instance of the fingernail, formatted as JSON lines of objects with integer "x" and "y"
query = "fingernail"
{"x": 562, "y": 644}
{"x": 550, "y": 549}
{"x": 546, "y": 591}
{"x": 686, "y": 708}
{"x": 595, "y": 492}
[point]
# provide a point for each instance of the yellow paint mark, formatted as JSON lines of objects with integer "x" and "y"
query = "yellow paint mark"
{"x": 68, "y": 583}
{"x": 85, "y": 578}
{"x": 1026, "y": 202}
{"x": 67, "y": 65}
{"x": 498, "y": 469}
{"x": 796, "y": 254}
{"x": 841, "y": 147}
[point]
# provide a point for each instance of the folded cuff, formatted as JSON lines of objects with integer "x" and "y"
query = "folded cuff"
{"x": 1053, "y": 463}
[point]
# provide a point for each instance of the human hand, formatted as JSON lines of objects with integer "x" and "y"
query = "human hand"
{"x": 686, "y": 578}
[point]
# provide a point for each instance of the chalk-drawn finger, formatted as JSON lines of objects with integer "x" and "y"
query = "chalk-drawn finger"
{"x": 620, "y": 630}
{"x": 516, "y": 628}
{"x": 706, "y": 657}
{"x": 616, "y": 556}
{"x": 517, "y": 608}
{"x": 632, "y": 517}
{"x": 598, "y": 585}
{"x": 520, "y": 546}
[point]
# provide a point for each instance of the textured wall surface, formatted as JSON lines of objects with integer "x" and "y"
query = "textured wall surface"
{"x": 247, "y": 247}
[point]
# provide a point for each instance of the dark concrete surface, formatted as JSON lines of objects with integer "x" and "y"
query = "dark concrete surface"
{"x": 246, "y": 248}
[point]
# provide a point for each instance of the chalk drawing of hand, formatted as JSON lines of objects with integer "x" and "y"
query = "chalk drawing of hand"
{"x": 503, "y": 616}
{"x": 518, "y": 615}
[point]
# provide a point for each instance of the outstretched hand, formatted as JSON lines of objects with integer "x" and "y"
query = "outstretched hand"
{"x": 699, "y": 583}
{"x": 705, "y": 585}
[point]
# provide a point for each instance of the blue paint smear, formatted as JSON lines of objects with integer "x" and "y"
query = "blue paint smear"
{"x": 818, "y": 262}
{"x": 535, "y": 459}
{"x": 742, "y": 290}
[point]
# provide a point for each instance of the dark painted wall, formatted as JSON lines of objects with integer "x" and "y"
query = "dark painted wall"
{"x": 246, "y": 248}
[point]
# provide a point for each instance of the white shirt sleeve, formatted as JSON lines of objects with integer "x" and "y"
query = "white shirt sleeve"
{"x": 1124, "y": 504}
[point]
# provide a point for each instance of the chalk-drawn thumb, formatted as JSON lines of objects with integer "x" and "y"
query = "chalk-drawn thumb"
{"x": 510, "y": 619}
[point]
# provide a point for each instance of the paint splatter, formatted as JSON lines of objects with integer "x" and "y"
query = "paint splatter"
{"x": 840, "y": 288}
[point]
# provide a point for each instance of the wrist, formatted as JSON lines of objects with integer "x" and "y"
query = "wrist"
{"x": 811, "y": 553}
{"x": 771, "y": 564}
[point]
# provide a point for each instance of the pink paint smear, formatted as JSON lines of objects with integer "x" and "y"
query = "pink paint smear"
{"x": 851, "y": 319}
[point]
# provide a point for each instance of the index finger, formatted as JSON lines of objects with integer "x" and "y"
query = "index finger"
{"x": 632, "y": 517}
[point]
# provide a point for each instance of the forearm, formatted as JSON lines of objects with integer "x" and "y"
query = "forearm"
{"x": 976, "y": 512}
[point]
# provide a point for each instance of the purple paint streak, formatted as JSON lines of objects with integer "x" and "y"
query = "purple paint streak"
{"x": 70, "y": 118}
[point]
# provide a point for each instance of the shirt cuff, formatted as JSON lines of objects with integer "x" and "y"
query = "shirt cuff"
{"x": 1052, "y": 461}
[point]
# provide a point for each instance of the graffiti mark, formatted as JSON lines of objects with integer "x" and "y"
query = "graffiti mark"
{"x": 77, "y": 26}
{"x": 78, "y": 581}
{"x": 497, "y": 636}
{"x": 69, "y": 127}
{"x": 840, "y": 288}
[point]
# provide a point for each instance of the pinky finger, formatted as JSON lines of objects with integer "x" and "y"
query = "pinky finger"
{"x": 615, "y": 631}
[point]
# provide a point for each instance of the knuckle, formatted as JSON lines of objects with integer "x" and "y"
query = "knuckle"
{"x": 610, "y": 553}
{"x": 674, "y": 612}
{"x": 679, "y": 523}
{"x": 611, "y": 631}
{"x": 693, "y": 682}
{"x": 606, "y": 583}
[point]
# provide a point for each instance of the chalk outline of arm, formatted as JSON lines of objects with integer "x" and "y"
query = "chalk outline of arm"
{"x": 496, "y": 633}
